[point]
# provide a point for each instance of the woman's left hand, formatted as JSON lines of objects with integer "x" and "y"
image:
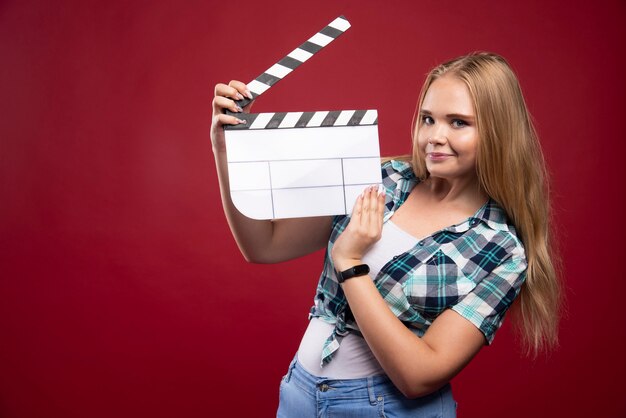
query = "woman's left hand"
{"x": 362, "y": 232}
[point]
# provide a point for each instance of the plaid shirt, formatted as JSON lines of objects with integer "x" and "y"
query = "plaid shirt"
{"x": 475, "y": 268}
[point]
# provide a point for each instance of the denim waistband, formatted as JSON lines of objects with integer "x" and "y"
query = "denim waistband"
{"x": 372, "y": 387}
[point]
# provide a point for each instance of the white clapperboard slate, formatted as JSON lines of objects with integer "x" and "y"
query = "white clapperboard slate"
{"x": 299, "y": 164}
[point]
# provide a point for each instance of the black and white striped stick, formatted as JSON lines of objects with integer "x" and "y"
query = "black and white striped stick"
{"x": 294, "y": 59}
{"x": 283, "y": 120}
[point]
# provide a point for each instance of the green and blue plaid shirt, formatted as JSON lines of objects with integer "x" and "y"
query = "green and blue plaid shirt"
{"x": 475, "y": 268}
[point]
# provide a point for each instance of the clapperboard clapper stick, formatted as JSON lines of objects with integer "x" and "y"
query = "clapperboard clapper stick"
{"x": 298, "y": 164}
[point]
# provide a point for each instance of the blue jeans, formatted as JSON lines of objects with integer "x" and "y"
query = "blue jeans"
{"x": 303, "y": 395}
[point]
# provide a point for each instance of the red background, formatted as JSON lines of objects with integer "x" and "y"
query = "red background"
{"x": 122, "y": 293}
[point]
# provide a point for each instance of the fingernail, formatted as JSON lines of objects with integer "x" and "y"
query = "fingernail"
{"x": 242, "y": 121}
{"x": 239, "y": 96}
{"x": 239, "y": 109}
{"x": 249, "y": 94}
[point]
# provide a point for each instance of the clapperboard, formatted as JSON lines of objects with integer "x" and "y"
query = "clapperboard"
{"x": 299, "y": 164}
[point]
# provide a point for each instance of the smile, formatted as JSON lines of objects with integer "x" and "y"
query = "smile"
{"x": 437, "y": 156}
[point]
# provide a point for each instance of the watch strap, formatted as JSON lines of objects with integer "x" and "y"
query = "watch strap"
{"x": 355, "y": 271}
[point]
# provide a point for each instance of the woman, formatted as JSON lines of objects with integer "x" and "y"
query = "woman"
{"x": 418, "y": 279}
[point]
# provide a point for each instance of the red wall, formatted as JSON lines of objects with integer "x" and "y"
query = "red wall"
{"x": 122, "y": 293}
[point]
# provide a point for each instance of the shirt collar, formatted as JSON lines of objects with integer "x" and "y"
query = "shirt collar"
{"x": 490, "y": 213}
{"x": 404, "y": 169}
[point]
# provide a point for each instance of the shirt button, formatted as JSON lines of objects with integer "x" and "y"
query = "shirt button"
{"x": 421, "y": 243}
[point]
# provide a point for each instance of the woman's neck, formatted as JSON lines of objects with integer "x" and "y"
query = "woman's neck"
{"x": 463, "y": 191}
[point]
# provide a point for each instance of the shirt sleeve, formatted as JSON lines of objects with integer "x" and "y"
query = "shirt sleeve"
{"x": 487, "y": 303}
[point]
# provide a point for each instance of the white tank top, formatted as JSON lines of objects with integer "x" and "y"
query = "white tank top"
{"x": 354, "y": 359}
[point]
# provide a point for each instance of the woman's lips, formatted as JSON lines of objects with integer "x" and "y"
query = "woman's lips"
{"x": 438, "y": 156}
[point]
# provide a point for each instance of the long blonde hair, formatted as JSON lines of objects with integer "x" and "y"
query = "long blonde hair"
{"x": 511, "y": 170}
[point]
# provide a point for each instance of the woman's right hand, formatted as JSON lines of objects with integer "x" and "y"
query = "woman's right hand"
{"x": 260, "y": 241}
{"x": 224, "y": 99}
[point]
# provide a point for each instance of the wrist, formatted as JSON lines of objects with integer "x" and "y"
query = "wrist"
{"x": 342, "y": 264}
{"x": 359, "y": 270}
{"x": 218, "y": 152}
{"x": 218, "y": 148}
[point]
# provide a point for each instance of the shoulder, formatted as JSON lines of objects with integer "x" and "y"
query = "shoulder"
{"x": 396, "y": 174}
{"x": 398, "y": 179}
{"x": 397, "y": 169}
{"x": 498, "y": 233}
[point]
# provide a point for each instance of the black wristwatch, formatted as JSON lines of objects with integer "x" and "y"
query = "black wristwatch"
{"x": 359, "y": 270}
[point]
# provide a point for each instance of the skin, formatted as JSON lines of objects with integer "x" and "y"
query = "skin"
{"x": 260, "y": 241}
{"x": 417, "y": 366}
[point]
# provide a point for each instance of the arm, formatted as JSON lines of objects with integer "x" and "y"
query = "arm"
{"x": 260, "y": 241}
{"x": 417, "y": 366}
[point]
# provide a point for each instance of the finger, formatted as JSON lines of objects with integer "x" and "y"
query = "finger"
{"x": 224, "y": 90}
{"x": 373, "y": 199}
{"x": 375, "y": 213}
{"x": 223, "y": 119}
{"x": 220, "y": 103}
{"x": 363, "y": 209}
{"x": 368, "y": 202}
{"x": 245, "y": 91}
{"x": 241, "y": 88}
{"x": 381, "y": 208}
{"x": 376, "y": 220}
{"x": 357, "y": 210}
{"x": 235, "y": 90}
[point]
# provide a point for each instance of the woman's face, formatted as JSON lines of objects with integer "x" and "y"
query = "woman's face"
{"x": 447, "y": 135}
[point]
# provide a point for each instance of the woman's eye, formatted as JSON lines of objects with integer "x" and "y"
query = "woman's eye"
{"x": 427, "y": 120}
{"x": 458, "y": 123}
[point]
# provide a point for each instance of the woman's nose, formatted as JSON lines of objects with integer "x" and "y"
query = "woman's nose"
{"x": 438, "y": 135}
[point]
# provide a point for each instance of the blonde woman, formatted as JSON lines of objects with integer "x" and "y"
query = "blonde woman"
{"x": 418, "y": 279}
